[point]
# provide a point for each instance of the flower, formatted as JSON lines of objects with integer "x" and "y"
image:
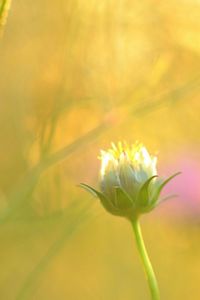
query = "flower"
{"x": 129, "y": 184}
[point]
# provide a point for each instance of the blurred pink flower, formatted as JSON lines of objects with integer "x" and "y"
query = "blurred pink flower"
{"x": 186, "y": 186}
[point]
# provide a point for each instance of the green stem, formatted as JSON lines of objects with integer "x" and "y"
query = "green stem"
{"x": 145, "y": 260}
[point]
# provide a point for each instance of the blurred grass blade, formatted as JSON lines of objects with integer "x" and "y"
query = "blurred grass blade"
{"x": 176, "y": 94}
{"x": 74, "y": 222}
{"x": 4, "y": 9}
{"x": 26, "y": 188}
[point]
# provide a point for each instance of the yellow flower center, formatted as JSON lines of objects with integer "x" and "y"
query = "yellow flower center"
{"x": 135, "y": 155}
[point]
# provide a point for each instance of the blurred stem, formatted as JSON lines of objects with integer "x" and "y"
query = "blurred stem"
{"x": 151, "y": 278}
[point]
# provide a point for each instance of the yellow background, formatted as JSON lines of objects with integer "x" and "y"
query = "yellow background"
{"x": 74, "y": 76}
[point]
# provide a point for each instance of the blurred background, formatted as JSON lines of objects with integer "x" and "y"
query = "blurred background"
{"x": 74, "y": 76}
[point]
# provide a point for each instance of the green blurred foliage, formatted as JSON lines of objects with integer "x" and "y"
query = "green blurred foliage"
{"x": 74, "y": 76}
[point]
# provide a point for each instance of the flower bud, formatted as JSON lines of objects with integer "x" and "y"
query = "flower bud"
{"x": 129, "y": 184}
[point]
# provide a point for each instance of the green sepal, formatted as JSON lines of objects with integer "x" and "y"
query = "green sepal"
{"x": 104, "y": 200}
{"x": 143, "y": 194}
{"x": 159, "y": 189}
{"x": 89, "y": 189}
{"x": 122, "y": 200}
